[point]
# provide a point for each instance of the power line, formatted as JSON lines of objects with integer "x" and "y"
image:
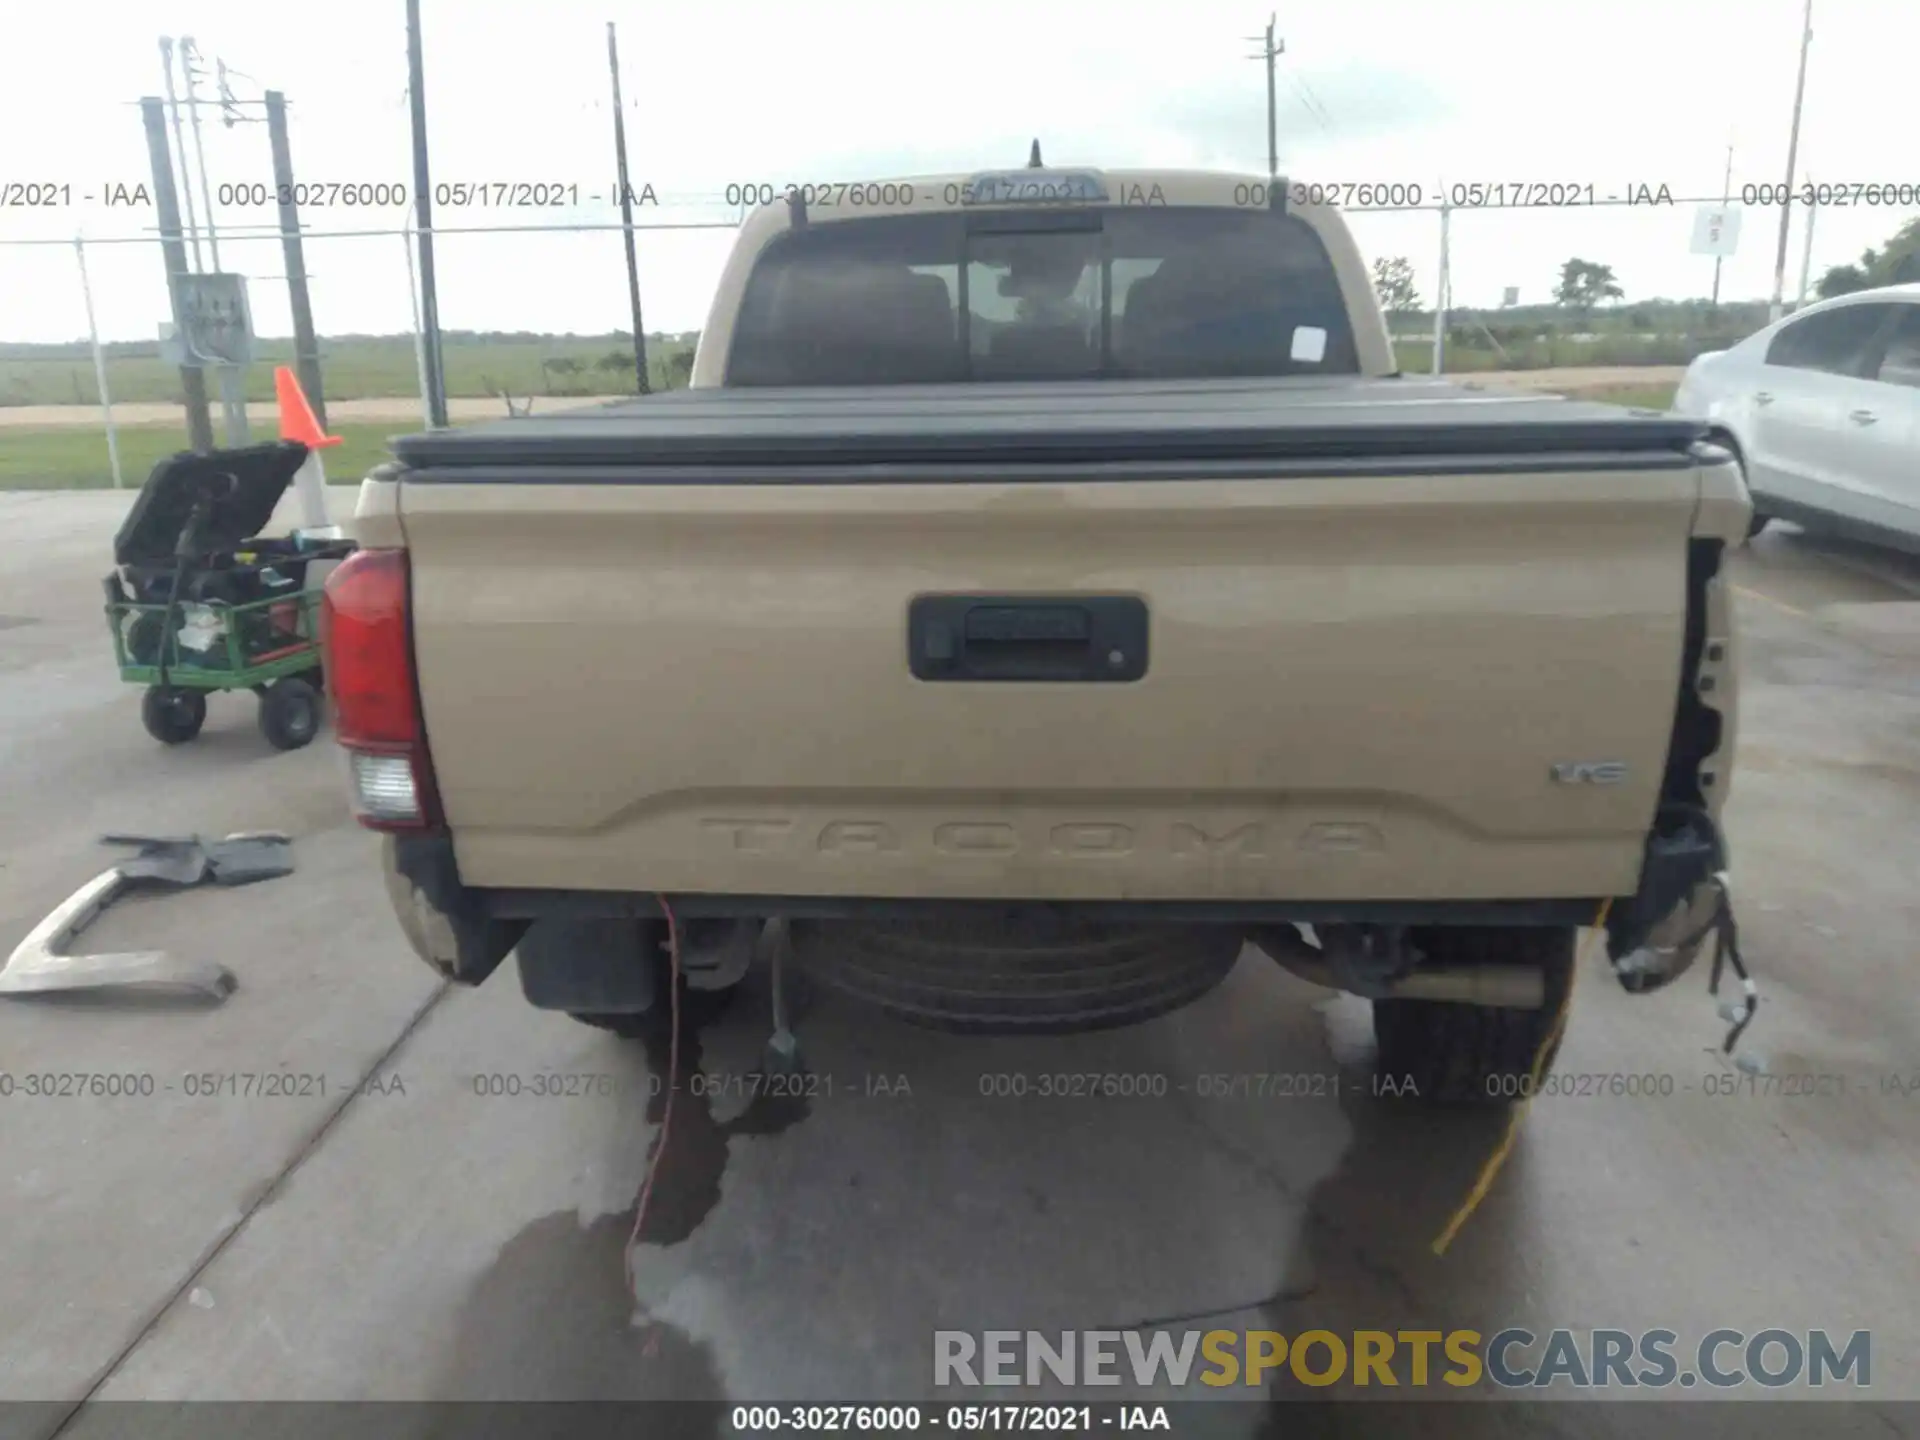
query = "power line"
{"x": 1309, "y": 104}
{"x": 193, "y": 74}
{"x": 1320, "y": 111}
{"x": 180, "y": 144}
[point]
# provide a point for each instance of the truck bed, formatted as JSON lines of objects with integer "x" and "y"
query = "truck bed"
{"x": 1099, "y": 422}
{"x": 669, "y": 645}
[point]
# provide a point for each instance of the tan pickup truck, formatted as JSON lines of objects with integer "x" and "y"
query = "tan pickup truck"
{"x": 1047, "y": 588}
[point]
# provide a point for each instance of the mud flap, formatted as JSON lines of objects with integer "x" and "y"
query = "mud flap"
{"x": 605, "y": 966}
{"x": 614, "y": 965}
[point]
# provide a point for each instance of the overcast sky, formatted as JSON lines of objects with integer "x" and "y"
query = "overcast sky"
{"x": 1619, "y": 94}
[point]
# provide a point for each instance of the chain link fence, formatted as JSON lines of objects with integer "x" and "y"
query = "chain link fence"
{"x": 554, "y": 289}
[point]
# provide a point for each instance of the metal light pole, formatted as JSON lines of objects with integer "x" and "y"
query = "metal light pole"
{"x": 99, "y": 362}
{"x": 626, "y": 218}
{"x": 1775, "y": 310}
{"x": 1806, "y": 253}
{"x": 180, "y": 147}
{"x": 1726, "y": 199}
{"x": 423, "y": 220}
{"x": 419, "y": 339}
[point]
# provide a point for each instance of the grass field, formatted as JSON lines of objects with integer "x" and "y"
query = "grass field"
{"x": 75, "y": 457}
{"x": 382, "y": 367}
{"x": 364, "y": 367}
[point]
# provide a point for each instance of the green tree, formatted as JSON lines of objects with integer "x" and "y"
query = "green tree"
{"x": 1584, "y": 284}
{"x": 1393, "y": 283}
{"x": 679, "y": 369}
{"x": 1898, "y": 261}
{"x": 1895, "y": 263}
{"x": 1842, "y": 280}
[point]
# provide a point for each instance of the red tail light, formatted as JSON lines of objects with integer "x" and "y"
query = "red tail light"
{"x": 367, "y": 641}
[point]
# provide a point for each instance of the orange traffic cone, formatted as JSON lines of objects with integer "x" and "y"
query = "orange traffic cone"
{"x": 297, "y": 422}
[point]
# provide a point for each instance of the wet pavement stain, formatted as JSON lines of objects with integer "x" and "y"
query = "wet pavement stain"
{"x": 553, "y": 1317}
{"x": 687, "y": 1186}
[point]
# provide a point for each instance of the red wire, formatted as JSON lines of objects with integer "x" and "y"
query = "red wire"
{"x": 673, "y": 1084}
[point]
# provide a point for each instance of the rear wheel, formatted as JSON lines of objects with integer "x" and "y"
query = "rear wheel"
{"x": 173, "y": 716}
{"x": 1758, "y": 523}
{"x": 290, "y": 713}
{"x": 1453, "y": 1054}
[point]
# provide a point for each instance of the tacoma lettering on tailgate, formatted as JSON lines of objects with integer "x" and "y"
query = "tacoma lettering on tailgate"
{"x": 1089, "y": 838}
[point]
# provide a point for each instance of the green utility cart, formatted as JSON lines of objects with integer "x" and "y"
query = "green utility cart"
{"x": 199, "y": 603}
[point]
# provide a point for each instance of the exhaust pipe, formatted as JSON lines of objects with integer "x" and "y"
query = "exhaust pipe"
{"x": 1505, "y": 987}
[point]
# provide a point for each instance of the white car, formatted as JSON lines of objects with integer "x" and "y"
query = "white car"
{"x": 1823, "y": 410}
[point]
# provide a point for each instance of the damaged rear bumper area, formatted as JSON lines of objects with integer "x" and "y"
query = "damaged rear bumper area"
{"x": 991, "y": 967}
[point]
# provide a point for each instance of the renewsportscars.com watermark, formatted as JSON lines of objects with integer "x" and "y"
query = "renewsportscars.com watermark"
{"x": 1510, "y": 1359}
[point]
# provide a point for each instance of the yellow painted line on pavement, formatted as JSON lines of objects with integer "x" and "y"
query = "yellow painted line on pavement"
{"x": 1745, "y": 593}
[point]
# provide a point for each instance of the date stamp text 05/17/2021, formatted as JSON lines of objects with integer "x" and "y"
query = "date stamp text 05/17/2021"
{"x": 390, "y": 193}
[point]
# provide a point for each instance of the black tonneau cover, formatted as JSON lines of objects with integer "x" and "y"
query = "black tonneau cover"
{"x": 1072, "y": 422}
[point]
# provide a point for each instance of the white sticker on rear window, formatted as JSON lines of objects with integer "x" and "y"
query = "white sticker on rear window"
{"x": 1309, "y": 344}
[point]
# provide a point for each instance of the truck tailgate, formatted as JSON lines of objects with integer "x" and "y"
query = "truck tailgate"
{"x": 1357, "y": 685}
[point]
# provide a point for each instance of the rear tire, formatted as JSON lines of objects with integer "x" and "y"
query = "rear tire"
{"x": 173, "y": 716}
{"x": 1452, "y": 1054}
{"x": 1758, "y": 523}
{"x": 290, "y": 713}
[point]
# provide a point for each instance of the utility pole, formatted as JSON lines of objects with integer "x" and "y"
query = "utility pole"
{"x": 306, "y": 348}
{"x": 1774, "y": 310}
{"x": 233, "y": 395}
{"x": 626, "y": 217}
{"x": 1726, "y": 199}
{"x": 188, "y": 54}
{"x": 1271, "y": 48}
{"x": 179, "y": 145}
{"x": 1806, "y": 253}
{"x": 1440, "y": 296}
{"x": 173, "y": 252}
{"x": 419, "y": 336}
{"x": 423, "y": 219}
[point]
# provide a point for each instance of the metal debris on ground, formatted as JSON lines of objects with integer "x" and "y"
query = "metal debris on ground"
{"x": 39, "y": 966}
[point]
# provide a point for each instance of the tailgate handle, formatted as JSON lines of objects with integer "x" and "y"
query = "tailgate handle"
{"x": 1061, "y": 638}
